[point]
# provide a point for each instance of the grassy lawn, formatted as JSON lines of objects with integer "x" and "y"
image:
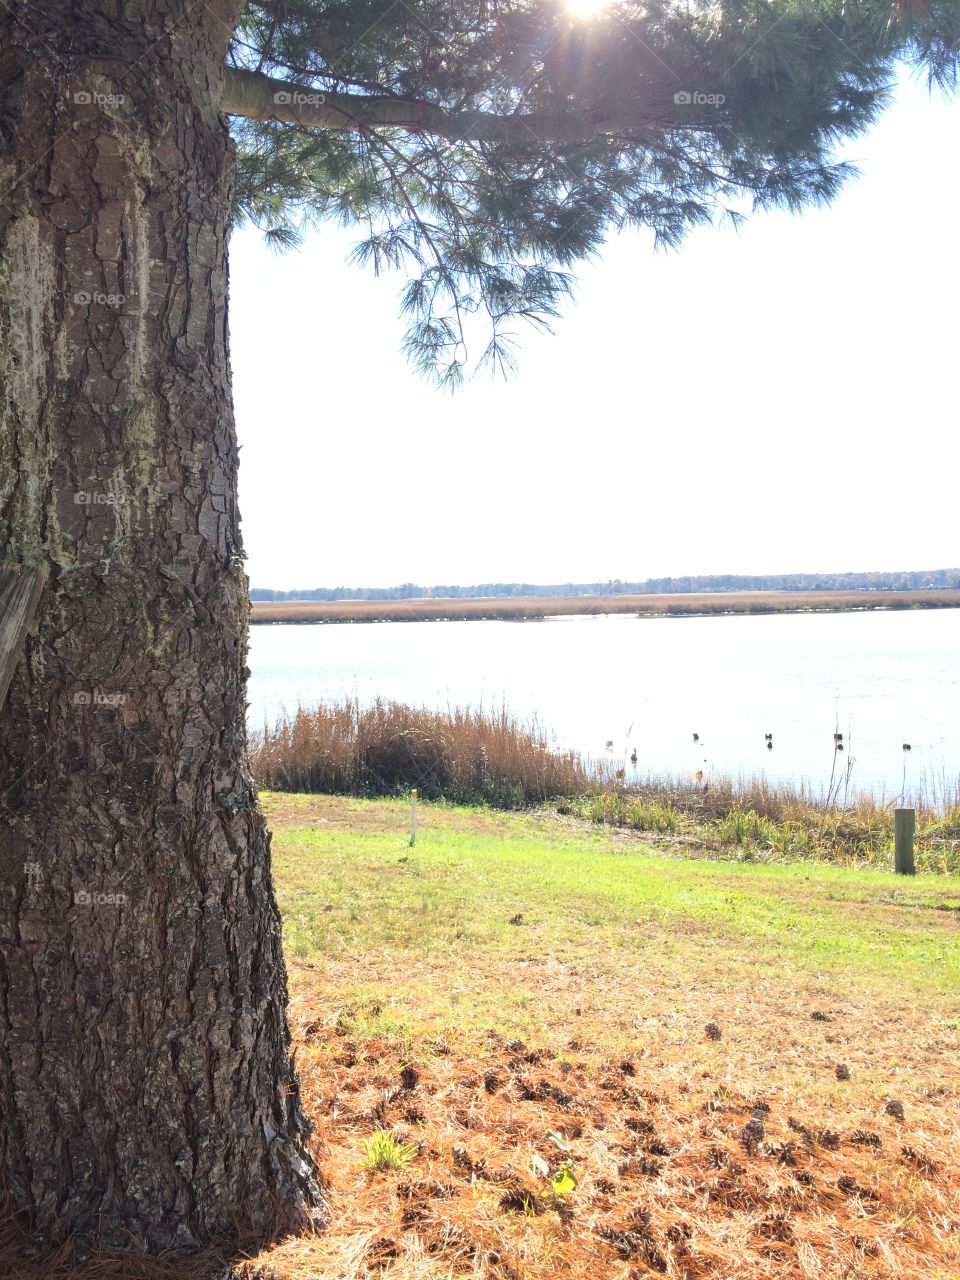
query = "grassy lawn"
{"x": 501, "y": 893}
{"x": 731, "y": 1071}
{"x": 755, "y": 1067}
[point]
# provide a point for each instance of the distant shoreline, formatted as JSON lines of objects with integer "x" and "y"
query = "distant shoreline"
{"x": 701, "y": 604}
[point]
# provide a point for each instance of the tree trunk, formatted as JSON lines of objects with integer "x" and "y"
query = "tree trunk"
{"x": 147, "y": 1091}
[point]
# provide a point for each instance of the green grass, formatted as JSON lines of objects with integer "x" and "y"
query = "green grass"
{"x": 760, "y": 825}
{"x": 583, "y": 896}
{"x": 384, "y": 1151}
{"x": 486, "y": 756}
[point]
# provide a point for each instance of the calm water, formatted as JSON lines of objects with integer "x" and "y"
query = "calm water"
{"x": 882, "y": 679}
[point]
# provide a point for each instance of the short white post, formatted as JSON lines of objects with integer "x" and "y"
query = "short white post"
{"x": 413, "y": 817}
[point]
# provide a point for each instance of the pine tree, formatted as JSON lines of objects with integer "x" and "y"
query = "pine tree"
{"x": 484, "y": 149}
{"x": 147, "y": 1089}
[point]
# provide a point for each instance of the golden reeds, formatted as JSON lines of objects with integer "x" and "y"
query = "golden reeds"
{"x": 466, "y": 755}
{"x": 666, "y": 605}
{"x": 481, "y": 756}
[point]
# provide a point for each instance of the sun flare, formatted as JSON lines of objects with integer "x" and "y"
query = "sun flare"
{"x": 587, "y": 9}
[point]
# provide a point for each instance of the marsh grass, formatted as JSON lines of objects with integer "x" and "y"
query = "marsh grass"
{"x": 757, "y": 821}
{"x": 466, "y": 756}
{"x": 487, "y": 756}
{"x": 678, "y": 604}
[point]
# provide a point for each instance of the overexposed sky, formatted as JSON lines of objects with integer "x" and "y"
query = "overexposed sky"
{"x": 783, "y": 398}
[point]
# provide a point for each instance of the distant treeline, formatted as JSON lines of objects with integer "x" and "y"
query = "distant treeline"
{"x": 908, "y": 580}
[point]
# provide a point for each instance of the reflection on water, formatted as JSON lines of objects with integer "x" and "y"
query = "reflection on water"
{"x": 684, "y": 694}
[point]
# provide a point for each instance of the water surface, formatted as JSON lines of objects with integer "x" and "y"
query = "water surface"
{"x": 881, "y": 679}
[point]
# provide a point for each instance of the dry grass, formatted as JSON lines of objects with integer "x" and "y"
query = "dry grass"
{"x": 719, "y": 1172}
{"x": 741, "y": 1156}
{"x": 466, "y": 756}
{"x": 730, "y": 1116}
{"x": 674, "y": 605}
{"x": 489, "y": 757}
{"x": 765, "y": 822}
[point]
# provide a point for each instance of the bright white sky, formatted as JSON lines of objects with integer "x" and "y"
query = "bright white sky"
{"x": 779, "y": 399}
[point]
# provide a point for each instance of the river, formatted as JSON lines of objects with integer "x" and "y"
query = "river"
{"x": 649, "y": 685}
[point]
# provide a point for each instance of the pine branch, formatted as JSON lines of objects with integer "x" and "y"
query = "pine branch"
{"x": 255, "y": 96}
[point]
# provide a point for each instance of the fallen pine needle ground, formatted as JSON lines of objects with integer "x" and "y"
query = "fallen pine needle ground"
{"x": 532, "y": 1050}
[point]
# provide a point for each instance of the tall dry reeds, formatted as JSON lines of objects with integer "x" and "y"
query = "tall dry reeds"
{"x": 678, "y": 604}
{"x": 482, "y": 756}
{"x": 467, "y": 756}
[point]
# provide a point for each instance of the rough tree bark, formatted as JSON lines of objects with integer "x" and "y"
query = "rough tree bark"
{"x": 146, "y": 1086}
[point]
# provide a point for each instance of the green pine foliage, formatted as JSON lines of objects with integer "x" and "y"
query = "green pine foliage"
{"x": 485, "y": 231}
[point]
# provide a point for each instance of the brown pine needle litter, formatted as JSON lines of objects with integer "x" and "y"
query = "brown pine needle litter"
{"x": 702, "y": 1120}
{"x": 723, "y": 1173}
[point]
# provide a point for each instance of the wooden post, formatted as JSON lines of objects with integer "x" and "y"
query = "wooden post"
{"x": 413, "y": 817}
{"x": 904, "y": 822}
{"x": 20, "y": 588}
